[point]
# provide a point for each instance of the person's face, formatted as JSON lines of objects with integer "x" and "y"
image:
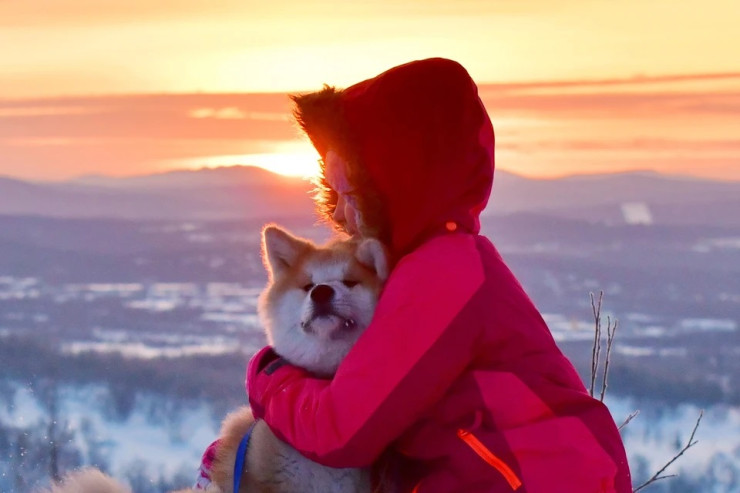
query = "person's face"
{"x": 346, "y": 213}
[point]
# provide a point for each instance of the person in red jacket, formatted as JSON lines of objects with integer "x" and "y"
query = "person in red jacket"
{"x": 457, "y": 375}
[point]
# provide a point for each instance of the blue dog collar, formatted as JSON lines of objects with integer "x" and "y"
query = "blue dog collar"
{"x": 241, "y": 457}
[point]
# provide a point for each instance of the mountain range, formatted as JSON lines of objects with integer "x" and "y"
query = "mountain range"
{"x": 245, "y": 192}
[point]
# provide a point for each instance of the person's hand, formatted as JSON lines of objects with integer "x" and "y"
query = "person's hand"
{"x": 264, "y": 379}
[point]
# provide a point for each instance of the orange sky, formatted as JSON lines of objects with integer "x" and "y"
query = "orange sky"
{"x": 57, "y": 55}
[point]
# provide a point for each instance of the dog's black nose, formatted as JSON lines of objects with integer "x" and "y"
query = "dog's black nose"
{"x": 322, "y": 294}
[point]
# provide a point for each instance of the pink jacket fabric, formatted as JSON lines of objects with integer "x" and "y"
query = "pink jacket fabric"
{"x": 458, "y": 373}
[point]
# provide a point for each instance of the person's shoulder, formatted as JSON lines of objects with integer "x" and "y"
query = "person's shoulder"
{"x": 454, "y": 258}
{"x": 441, "y": 276}
{"x": 449, "y": 246}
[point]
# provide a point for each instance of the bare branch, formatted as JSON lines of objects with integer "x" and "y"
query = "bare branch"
{"x": 596, "y": 349}
{"x": 654, "y": 480}
{"x": 611, "y": 331}
{"x": 690, "y": 443}
{"x": 629, "y": 418}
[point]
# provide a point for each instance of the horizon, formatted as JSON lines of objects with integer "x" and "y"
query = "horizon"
{"x": 147, "y": 87}
{"x": 80, "y": 179}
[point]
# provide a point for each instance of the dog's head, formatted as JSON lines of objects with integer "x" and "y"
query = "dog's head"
{"x": 319, "y": 299}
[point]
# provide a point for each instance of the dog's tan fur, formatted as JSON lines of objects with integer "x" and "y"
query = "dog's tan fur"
{"x": 88, "y": 480}
{"x": 272, "y": 466}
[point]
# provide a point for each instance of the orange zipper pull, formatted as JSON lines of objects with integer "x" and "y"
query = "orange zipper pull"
{"x": 488, "y": 456}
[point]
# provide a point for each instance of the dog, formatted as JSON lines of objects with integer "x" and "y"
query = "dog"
{"x": 317, "y": 303}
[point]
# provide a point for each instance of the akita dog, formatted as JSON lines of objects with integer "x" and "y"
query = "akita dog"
{"x": 317, "y": 303}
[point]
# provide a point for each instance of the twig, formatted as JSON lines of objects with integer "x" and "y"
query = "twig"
{"x": 611, "y": 329}
{"x": 690, "y": 443}
{"x": 596, "y": 349}
{"x": 610, "y": 332}
{"x": 629, "y": 418}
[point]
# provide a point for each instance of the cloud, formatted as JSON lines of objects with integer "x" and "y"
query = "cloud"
{"x": 636, "y": 145}
{"x": 192, "y": 116}
{"x": 94, "y": 12}
{"x": 689, "y": 120}
{"x": 623, "y": 82}
{"x": 123, "y": 135}
{"x": 30, "y": 111}
{"x": 234, "y": 113}
{"x": 693, "y": 95}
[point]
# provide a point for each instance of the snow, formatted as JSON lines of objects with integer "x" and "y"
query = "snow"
{"x": 634, "y": 351}
{"x": 708, "y": 325}
{"x": 637, "y": 213}
{"x": 144, "y": 351}
{"x": 166, "y": 442}
{"x": 651, "y": 331}
{"x": 653, "y": 433}
{"x": 569, "y": 329}
{"x": 24, "y": 410}
{"x": 166, "y": 446}
{"x": 161, "y": 449}
{"x": 154, "y": 305}
{"x": 712, "y": 244}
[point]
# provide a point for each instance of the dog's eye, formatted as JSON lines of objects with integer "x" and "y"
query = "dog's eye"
{"x": 308, "y": 287}
{"x": 350, "y": 284}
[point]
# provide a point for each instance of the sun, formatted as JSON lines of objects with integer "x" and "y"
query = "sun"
{"x": 298, "y": 164}
{"x": 287, "y": 160}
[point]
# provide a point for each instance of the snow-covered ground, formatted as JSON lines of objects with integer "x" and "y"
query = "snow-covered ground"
{"x": 164, "y": 440}
{"x": 656, "y": 434}
{"x": 155, "y": 438}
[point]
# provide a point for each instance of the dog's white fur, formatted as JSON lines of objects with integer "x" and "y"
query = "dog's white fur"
{"x": 316, "y": 340}
{"x": 283, "y": 309}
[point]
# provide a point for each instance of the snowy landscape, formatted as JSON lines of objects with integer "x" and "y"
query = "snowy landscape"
{"x": 127, "y": 312}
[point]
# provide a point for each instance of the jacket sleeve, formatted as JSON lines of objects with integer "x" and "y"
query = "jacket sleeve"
{"x": 417, "y": 345}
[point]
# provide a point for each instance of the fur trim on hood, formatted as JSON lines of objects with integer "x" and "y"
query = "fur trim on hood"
{"x": 419, "y": 145}
{"x": 320, "y": 116}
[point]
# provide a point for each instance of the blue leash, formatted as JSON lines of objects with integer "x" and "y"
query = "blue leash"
{"x": 241, "y": 456}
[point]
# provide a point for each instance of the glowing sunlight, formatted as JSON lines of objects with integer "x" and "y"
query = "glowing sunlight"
{"x": 303, "y": 164}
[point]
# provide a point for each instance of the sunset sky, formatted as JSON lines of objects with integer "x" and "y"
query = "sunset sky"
{"x": 572, "y": 86}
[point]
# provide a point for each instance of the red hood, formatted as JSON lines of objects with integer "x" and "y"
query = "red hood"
{"x": 425, "y": 141}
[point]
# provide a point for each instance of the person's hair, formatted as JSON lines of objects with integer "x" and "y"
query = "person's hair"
{"x": 319, "y": 115}
{"x": 373, "y": 219}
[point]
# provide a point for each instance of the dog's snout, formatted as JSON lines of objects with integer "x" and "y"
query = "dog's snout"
{"x": 322, "y": 294}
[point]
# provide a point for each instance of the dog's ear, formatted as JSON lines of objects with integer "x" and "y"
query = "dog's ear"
{"x": 371, "y": 253}
{"x": 280, "y": 250}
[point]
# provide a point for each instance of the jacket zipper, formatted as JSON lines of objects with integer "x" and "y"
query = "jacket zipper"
{"x": 488, "y": 456}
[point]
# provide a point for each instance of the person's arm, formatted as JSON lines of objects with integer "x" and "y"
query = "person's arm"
{"x": 421, "y": 339}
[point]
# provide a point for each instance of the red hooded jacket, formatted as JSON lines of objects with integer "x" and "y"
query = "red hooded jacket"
{"x": 457, "y": 372}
